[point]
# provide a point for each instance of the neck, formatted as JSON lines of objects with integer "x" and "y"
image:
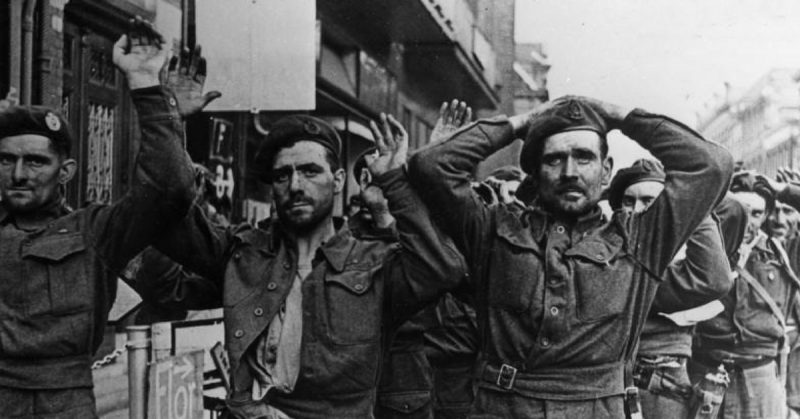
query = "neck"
{"x": 36, "y": 218}
{"x": 309, "y": 241}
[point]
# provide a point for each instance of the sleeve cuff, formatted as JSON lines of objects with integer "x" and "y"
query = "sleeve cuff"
{"x": 155, "y": 102}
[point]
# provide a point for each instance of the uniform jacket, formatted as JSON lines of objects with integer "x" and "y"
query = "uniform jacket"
{"x": 359, "y": 291}
{"x": 57, "y": 283}
{"x": 560, "y": 303}
{"x": 704, "y": 275}
{"x": 747, "y": 328}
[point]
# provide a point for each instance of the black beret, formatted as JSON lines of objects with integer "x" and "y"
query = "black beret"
{"x": 641, "y": 170}
{"x": 289, "y": 130}
{"x": 567, "y": 114}
{"x": 361, "y": 163}
{"x": 746, "y": 181}
{"x": 38, "y": 120}
{"x": 507, "y": 173}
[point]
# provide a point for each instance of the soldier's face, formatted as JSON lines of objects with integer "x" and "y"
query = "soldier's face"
{"x": 304, "y": 186}
{"x": 639, "y": 196}
{"x": 573, "y": 172}
{"x": 30, "y": 172}
{"x": 755, "y": 206}
{"x": 782, "y": 221}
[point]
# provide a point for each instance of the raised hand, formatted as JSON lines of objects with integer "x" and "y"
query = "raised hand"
{"x": 452, "y": 116}
{"x": 392, "y": 142}
{"x": 140, "y": 54}
{"x": 186, "y": 77}
{"x": 787, "y": 175}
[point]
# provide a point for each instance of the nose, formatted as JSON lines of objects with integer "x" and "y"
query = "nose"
{"x": 294, "y": 181}
{"x": 570, "y": 169}
{"x": 639, "y": 207}
{"x": 19, "y": 173}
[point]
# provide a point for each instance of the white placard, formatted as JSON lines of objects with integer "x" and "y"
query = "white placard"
{"x": 260, "y": 53}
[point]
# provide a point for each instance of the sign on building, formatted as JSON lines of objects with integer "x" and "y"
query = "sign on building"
{"x": 176, "y": 387}
{"x": 261, "y": 53}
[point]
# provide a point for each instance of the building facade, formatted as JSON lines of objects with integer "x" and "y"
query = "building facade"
{"x": 761, "y": 127}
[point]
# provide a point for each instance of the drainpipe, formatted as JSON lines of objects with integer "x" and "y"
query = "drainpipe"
{"x": 27, "y": 51}
{"x": 138, "y": 352}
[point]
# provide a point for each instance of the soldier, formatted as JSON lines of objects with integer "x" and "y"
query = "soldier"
{"x": 748, "y": 338}
{"x": 560, "y": 293}
{"x": 308, "y": 309}
{"x": 58, "y": 269}
{"x": 699, "y": 275}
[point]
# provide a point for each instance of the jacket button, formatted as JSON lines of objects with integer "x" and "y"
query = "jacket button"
{"x": 599, "y": 257}
{"x": 272, "y": 286}
{"x": 560, "y": 229}
{"x": 172, "y": 102}
{"x": 358, "y": 287}
{"x": 237, "y": 255}
{"x": 239, "y": 333}
{"x": 286, "y": 265}
{"x": 406, "y": 407}
{"x": 63, "y": 231}
{"x": 545, "y": 342}
{"x": 554, "y": 310}
{"x": 771, "y": 275}
{"x": 258, "y": 311}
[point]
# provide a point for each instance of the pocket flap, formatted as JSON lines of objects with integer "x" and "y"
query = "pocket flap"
{"x": 56, "y": 247}
{"x": 357, "y": 282}
{"x": 516, "y": 234}
{"x": 595, "y": 249}
{"x": 404, "y": 402}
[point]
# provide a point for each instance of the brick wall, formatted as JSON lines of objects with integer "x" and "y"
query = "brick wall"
{"x": 47, "y": 61}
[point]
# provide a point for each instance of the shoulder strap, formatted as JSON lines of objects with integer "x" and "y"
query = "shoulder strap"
{"x": 759, "y": 289}
{"x": 785, "y": 259}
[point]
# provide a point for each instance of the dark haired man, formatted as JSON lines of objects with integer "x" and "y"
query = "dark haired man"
{"x": 58, "y": 269}
{"x": 561, "y": 294}
{"x": 308, "y": 309}
{"x": 700, "y": 274}
{"x": 749, "y": 337}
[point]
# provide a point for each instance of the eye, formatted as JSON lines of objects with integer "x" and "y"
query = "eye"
{"x": 281, "y": 176}
{"x": 628, "y": 201}
{"x": 6, "y": 160}
{"x": 309, "y": 171}
{"x": 552, "y": 160}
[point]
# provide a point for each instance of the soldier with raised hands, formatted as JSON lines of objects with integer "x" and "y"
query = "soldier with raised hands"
{"x": 59, "y": 268}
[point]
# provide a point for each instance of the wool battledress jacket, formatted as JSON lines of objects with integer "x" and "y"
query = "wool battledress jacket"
{"x": 59, "y": 280}
{"x": 560, "y": 303}
{"x": 359, "y": 291}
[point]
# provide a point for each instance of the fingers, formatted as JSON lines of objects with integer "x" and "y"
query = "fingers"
{"x": 379, "y": 141}
{"x": 194, "y": 61}
{"x": 210, "y": 97}
{"x": 120, "y": 48}
{"x": 398, "y": 127}
{"x": 443, "y": 111}
{"x": 451, "y": 114}
{"x": 391, "y": 142}
{"x": 142, "y": 33}
{"x": 468, "y": 115}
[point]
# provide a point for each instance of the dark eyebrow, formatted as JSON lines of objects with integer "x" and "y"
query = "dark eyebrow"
{"x": 584, "y": 152}
{"x": 311, "y": 166}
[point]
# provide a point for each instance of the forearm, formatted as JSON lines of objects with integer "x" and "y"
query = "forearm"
{"x": 697, "y": 176}
{"x": 703, "y": 276}
{"x": 162, "y": 188}
{"x": 442, "y": 175}
{"x": 428, "y": 263}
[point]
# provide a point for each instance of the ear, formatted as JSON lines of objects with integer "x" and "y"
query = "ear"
{"x": 338, "y": 181}
{"x": 608, "y": 167}
{"x": 67, "y": 171}
{"x": 365, "y": 178}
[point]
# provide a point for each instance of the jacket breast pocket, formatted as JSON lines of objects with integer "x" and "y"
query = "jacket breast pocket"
{"x": 514, "y": 274}
{"x": 353, "y": 307}
{"x": 602, "y": 282}
{"x": 59, "y": 278}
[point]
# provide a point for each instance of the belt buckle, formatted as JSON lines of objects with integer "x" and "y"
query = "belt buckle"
{"x": 505, "y": 378}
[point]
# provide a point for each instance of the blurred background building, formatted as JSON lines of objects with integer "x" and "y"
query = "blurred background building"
{"x": 760, "y": 126}
{"x": 404, "y": 58}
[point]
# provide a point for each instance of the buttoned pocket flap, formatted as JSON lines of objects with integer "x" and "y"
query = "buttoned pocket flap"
{"x": 404, "y": 402}
{"x": 56, "y": 248}
{"x": 596, "y": 250}
{"x": 357, "y": 282}
{"x": 515, "y": 234}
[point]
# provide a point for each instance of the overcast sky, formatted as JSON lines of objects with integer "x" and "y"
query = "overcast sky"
{"x": 667, "y": 56}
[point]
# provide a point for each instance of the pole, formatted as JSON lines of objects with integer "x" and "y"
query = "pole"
{"x": 138, "y": 352}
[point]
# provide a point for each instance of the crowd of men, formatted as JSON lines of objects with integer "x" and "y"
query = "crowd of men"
{"x": 549, "y": 290}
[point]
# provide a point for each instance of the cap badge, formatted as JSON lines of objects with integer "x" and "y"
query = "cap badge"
{"x": 311, "y": 128}
{"x": 52, "y": 121}
{"x": 574, "y": 111}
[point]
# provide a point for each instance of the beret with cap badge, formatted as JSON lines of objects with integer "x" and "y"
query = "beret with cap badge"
{"x": 36, "y": 120}
{"x": 567, "y": 114}
{"x": 291, "y": 129}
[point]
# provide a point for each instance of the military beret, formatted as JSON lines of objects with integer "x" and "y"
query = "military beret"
{"x": 37, "y": 120}
{"x": 361, "y": 162}
{"x": 567, "y": 114}
{"x": 507, "y": 173}
{"x": 289, "y": 130}
{"x": 746, "y": 181}
{"x": 642, "y": 170}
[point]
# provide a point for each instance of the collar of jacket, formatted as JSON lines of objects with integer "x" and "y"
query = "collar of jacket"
{"x": 540, "y": 220}
{"x": 336, "y": 249}
{"x": 365, "y": 229}
{"x": 36, "y": 219}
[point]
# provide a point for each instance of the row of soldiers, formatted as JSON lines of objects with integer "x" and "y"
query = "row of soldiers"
{"x": 322, "y": 320}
